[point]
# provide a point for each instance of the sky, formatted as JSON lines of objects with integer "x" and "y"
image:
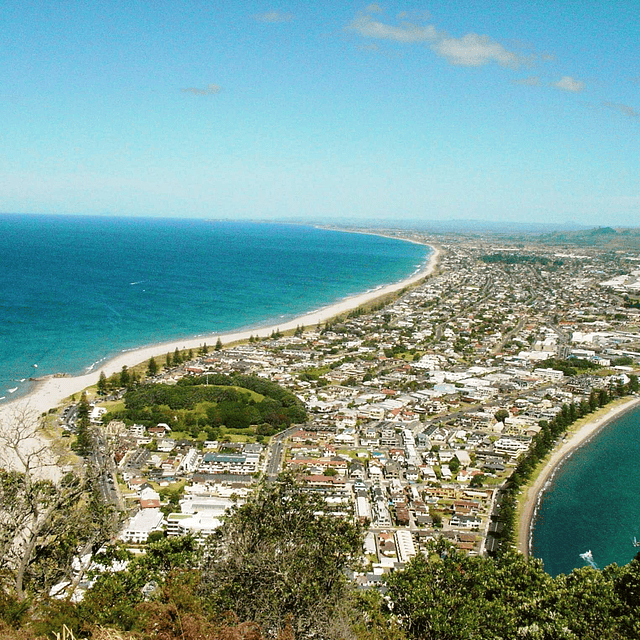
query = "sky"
{"x": 519, "y": 111}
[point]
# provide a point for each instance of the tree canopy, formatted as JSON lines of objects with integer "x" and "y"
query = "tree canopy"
{"x": 282, "y": 557}
{"x": 206, "y": 402}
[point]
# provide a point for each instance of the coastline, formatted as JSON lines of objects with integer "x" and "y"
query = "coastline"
{"x": 50, "y": 392}
{"x": 583, "y": 434}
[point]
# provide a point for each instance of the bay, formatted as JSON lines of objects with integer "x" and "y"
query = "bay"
{"x": 77, "y": 290}
{"x": 593, "y": 502}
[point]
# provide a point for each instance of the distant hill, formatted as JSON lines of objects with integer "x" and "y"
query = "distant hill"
{"x": 602, "y": 237}
{"x": 569, "y": 234}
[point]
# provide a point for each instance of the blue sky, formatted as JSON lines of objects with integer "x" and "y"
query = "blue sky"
{"x": 516, "y": 110}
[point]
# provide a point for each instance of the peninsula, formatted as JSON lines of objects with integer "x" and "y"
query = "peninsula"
{"x": 425, "y": 414}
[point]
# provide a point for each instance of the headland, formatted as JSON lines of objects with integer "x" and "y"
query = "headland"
{"x": 582, "y": 433}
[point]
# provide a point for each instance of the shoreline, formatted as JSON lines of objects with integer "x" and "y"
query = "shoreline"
{"x": 50, "y": 392}
{"x": 534, "y": 491}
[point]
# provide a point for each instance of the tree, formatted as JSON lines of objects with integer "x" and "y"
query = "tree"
{"x": 281, "y": 557}
{"x": 218, "y": 345}
{"x": 113, "y": 598}
{"x": 477, "y": 480}
{"x": 450, "y": 596}
{"x": 125, "y": 377}
{"x": 454, "y": 465}
{"x": 177, "y": 357}
{"x": 168, "y": 361}
{"x": 152, "y": 367}
{"x": 47, "y": 518}
{"x": 83, "y": 439}
{"x": 501, "y": 415}
{"x": 102, "y": 383}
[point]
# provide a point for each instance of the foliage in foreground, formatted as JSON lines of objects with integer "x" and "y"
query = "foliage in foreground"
{"x": 450, "y": 596}
{"x": 277, "y": 569}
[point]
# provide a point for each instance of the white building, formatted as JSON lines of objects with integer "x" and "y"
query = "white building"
{"x": 200, "y": 525}
{"x": 404, "y": 545}
{"x": 141, "y": 525}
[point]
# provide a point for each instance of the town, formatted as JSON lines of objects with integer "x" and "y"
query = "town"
{"x": 417, "y": 409}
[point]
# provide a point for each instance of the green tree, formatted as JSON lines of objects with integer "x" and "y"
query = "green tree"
{"x": 168, "y": 361}
{"x": 603, "y": 397}
{"x": 501, "y": 415}
{"x": 450, "y": 596}
{"x": 45, "y": 523}
{"x": 454, "y": 465}
{"x": 102, "y": 384}
{"x": 152, "y": 367}
{"x": 477, "y": 480}
{"x": 125, "y": 376}
{"x": 115, "y": 595}
{"x": 83, "y": 439}
{"x": 281, "y": 557}
{"x": 218, "y": 346}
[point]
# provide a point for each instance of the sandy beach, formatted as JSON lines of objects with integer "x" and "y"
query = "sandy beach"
{"x": 52, "y": 391}
{"x": 578, "y": 438}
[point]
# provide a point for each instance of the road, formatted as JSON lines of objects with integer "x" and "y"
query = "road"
{"x": 276, "y": 452}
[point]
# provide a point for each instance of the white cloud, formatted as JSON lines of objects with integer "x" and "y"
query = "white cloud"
{"x": 367, "y": 27}
{"x": 274, "y": 17}
{"x": 211, "y": 89}
{"x": 473, "y": 50}
{"x": 567, "y": 83}
{"x": 623, "y": 108}
{"x": 374, "y": 7}
{"x": 532, "y": 81}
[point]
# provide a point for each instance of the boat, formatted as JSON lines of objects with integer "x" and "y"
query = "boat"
{"x": 635, "y": 542}
{"x": 587, "y": 555}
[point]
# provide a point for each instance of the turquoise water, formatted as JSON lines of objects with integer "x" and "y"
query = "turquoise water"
{"x": 75, "y": 290}
{"x": 593, "y": 502}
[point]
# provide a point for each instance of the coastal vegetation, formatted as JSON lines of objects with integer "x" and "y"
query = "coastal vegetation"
{"x": 278, "y": 568}
{"x": 542, "y": 444}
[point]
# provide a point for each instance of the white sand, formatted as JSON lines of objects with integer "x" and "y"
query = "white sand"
{"x": 51, "y": 392}
{"x": 584, "y": 433}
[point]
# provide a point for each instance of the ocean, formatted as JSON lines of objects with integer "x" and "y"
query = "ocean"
{"x": 593, "y": 502}
{"x": 77, "y": 290}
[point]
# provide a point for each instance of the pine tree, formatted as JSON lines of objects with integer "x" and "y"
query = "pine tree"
{"x": 152, "y": 367}
{"x": 102, "y": 384}
{"x": 125, "y": 377}
{"x": 83, "y": 440}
